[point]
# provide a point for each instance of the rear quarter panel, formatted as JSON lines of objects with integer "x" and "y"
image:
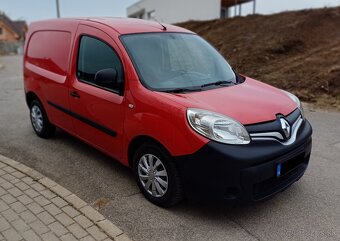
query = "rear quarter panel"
{"x": 46, "y": 65}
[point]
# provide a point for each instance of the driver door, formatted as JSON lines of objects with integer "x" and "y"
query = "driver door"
{"x": 98, "y": 111}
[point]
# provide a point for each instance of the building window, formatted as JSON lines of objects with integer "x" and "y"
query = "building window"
{"x": 224, "y": 12}
{"x": 152, "y": 15}
{"x": 1, "y": 31}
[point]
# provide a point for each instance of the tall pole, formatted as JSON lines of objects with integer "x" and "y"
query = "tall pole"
{"x": 254, "y": 7}
{"x": 235, "y": 8}
{"x": 58, "y": 9}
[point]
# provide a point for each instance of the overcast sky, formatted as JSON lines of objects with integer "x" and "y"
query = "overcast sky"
{"x": 31, "y": 10}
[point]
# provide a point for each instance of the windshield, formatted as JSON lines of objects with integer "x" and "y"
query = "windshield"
{"x": 169, "y": 61}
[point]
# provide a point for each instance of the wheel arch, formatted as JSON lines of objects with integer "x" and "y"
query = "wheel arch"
{"x": 137, "y": 142}
{"x": 30, "y": 96}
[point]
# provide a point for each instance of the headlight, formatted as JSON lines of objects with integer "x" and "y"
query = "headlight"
{"x": 297, "y": 101}
{"x": 217, "y": 127}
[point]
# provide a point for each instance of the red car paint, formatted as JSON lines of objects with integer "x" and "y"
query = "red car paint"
{"x": 140, "y": 111}
{"x": 249, "y": 103}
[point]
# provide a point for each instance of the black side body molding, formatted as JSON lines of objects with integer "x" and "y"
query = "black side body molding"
{"x": 84, "y": 119}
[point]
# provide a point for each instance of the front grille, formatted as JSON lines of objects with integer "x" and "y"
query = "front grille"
{"x": 274, "y": 131}
{"x": 273, "y": 125}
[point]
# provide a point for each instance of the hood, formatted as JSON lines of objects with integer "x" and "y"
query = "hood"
{"x": 249, "y": 103}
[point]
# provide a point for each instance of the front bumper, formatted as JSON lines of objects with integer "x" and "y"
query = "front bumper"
{"x": 233, "y": 173}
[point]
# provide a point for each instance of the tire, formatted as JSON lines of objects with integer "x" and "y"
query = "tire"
{"x": 173, "y": 192}
{"x": 39, "y": 120}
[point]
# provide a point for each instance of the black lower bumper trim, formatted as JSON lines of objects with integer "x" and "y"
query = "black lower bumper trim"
{"x": 220, "y": 172}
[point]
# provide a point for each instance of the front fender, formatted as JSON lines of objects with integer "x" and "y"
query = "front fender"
{"x": 163, "y": 120}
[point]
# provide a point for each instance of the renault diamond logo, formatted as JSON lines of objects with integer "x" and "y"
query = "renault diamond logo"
{"x": 285, "y": 127}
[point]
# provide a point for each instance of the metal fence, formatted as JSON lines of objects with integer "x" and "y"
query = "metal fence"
{"x": 11, "y": 47}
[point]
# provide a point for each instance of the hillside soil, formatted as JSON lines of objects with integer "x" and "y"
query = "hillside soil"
{"x": 296, "y": 51}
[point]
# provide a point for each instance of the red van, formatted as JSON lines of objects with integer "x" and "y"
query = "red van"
{"x": 161, "y": 100}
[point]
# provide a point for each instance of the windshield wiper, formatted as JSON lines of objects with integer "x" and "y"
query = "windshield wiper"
{"x": 218, "y": 83}
{"x": 183, "y": 90}
{"x": 198, "y": 88}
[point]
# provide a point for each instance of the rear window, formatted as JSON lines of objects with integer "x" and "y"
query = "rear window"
{"x": 50, "y": 50}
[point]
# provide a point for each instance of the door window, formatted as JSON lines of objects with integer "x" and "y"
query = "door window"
{"x": 95, "y": 55}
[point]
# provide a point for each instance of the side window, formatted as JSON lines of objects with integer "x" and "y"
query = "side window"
{"x": 95, "y": 55}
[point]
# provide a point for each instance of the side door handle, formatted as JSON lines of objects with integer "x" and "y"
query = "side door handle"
{"x": 75, "y": 94}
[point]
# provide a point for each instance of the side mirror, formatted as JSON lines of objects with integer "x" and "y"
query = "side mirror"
{"x": 107, "y": 78}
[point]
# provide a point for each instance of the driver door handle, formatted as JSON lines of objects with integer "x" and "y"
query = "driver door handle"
{"x": 75, "y": 94}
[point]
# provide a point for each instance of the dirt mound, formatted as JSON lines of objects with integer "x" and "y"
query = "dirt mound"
{"x": 297, "y": 51}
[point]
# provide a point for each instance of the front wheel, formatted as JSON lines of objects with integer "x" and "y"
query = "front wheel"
{"x": 157, "y": 176}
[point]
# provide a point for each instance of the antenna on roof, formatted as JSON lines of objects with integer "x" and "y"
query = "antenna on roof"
{"x": 163, "y": 26}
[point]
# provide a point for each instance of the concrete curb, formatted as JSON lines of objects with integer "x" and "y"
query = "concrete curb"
{"x": 98, "y": 219}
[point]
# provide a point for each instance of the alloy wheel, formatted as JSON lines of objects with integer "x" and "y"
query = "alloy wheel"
{"x": 153, "y": 175}
{"x": 37, "y": 118}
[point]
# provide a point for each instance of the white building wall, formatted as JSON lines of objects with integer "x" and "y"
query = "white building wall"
{"x": 176, "y": 11}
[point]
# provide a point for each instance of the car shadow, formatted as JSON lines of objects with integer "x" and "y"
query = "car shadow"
{"x": 89, "y": 151}
{"x": 211, "y": 211}
{"x": 95, "y": 174}
{"x": 237, "y": 212}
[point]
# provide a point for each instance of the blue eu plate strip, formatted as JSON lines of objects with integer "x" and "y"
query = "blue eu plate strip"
{"x": 278, "y": 170}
